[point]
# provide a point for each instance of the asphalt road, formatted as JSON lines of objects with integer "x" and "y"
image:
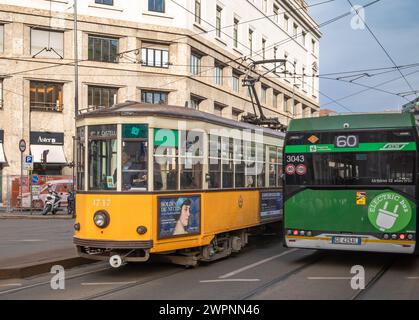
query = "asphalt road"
{"x": 264, "y": 270}
{"x": 20, "y": 237}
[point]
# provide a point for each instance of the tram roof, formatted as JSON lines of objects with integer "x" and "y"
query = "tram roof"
{"x": 355, "y": 121}
{"x": 136, "y": 109}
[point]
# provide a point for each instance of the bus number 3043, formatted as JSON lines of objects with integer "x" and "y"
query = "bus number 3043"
{"x": 291, "y": 159}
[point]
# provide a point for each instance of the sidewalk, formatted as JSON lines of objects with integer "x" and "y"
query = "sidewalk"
{"x": 26, "y": 214}
{"x": 32, "y": 246}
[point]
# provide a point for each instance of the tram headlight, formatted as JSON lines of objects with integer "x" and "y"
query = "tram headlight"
{"x": 101, "y": 219}
{"x": 141, "y": 230}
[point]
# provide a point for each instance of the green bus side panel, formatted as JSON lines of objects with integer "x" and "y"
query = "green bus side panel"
{"x": 337, "y": 211}
{"x": 356, "y": 121}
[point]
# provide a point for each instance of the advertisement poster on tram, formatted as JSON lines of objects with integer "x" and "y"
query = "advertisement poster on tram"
{"x": 271, "y": 205}
{"x": 179, "y": 216}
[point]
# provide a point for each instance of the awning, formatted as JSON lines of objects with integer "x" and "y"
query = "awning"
{"x": 55, "y": 154}
{"x": 2, "y": 156}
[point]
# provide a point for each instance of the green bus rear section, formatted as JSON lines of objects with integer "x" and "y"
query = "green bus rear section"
{"x": 335, "y": 211}
{"x": 355, "y": 122}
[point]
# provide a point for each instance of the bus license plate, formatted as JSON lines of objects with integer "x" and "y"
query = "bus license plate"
{"x": 347, "y": 240}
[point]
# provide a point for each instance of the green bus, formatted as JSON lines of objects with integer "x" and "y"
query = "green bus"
{"x": 351, "y": 183}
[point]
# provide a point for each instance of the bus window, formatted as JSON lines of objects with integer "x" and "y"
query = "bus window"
{"x": 103, "y": 157}
{"x": 165, "y": 166}
{"x": 134, "y": 157}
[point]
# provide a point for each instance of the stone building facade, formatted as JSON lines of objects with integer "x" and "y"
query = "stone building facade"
{"x": 192, "y": 53}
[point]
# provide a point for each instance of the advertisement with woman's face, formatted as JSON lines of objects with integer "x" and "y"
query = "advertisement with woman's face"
{"x": 179, "y": 216}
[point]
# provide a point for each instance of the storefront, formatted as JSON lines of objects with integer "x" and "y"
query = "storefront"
{"x": 2, "y": 163}
{"x": 47, "y": 149}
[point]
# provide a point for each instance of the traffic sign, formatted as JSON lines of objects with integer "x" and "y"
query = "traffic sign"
{"x": 35, "y": 179}
{"x": 22, "y": 145}
{"x": 29, "y": 162}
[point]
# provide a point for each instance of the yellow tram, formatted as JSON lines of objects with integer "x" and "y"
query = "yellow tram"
{"x": 173, "y": 182}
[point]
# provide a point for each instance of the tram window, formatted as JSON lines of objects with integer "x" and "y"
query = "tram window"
{"x": 166, "y": 155}
{"x": 81, "y": 152}
{"x": 134, "y": 157}
{"x": 165, "y": 173}
{"x": 260, "y": 170}
{"x": 103, "y": 157}
{"x": 240, "y": 181}
{"x": 191, "y": 159}
{"x": 228, "y": 174}
{"x": 250, "y": 176}
{"x": 214, "y": 174}
{"x": 134, "y": 165}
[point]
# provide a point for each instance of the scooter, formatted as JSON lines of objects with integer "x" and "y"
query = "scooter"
{"x": 52, "y": 203}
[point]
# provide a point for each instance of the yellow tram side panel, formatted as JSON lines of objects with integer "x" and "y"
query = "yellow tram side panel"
{"x": 220, "y": 212}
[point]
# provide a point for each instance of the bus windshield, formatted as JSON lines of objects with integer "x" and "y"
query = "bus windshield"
{"x": 372, "y": 168}
{"x": 357, "y": 158}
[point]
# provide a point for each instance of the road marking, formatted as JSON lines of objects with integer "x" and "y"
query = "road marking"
{"x": 106, "y": 283}
{"x": 412, "y": 278}
{"x": 329, "y": 278}
{"x": 233, "y": 273}
{"x": 27, "y": 240}
{"x": 230, "y": 280}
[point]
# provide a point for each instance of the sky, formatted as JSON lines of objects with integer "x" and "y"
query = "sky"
{"x": 347, "y": 46}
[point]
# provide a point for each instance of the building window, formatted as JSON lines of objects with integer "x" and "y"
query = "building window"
{"x": 313, "y": 82}
{"x": 195, "y": 64}
{"x": 47, "y": 44}
{"x": 313, "y": 46}
{"x": 1, "y": 38}
{"x": 152, "y": 57}
{"x": 107, "y": 2}
{"x": 195, "y": 102}
{"x": 218, "y": 21}
{"x": 275, "y": 57}
{"x": 1, "y": 93}
{"x": 154, "y": 97}
{"x": 275, "y": 100}
{"x": 103, "y": 49}
{"x": 251, "y": 41}
{"x": 218, "y": 110}
{"x": 276, "y": 13}
{"x": 219, "y": 74}
{"x": 263, "y": 49}
{"x": 236, "y": 33}
{"x": 156, "y": 5}
{"x": 303, "y": 78}
{"x": 46, "y": 96}
{"x": 286, "y": 22}
{"x": 236, "y": 114}
{"x": 264, "y": 93}
{"x": 104, "y": 97}
{"x": 295, "y": 30}
{"x": 304, "y": 37}
{"x": 236, "y": 82}
{"x": 198, "y": 11}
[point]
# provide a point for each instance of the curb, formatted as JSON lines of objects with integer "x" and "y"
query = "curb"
{"x": 28, "y": 270}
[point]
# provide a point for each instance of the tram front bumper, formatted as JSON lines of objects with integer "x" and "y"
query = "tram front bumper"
{"x": 102, "y": 250}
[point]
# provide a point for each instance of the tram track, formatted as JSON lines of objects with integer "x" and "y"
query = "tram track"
{"x": 383, "y": 270}
{"x": 318, "y": 256}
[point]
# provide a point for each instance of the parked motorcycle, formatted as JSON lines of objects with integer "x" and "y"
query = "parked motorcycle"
{"x": 52, "y": 203}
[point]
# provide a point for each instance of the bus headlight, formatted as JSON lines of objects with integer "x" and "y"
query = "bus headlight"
{"x": 101, "y": 219}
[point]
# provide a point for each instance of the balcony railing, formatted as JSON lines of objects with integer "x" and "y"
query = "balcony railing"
{"x": 48, "y": 107}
